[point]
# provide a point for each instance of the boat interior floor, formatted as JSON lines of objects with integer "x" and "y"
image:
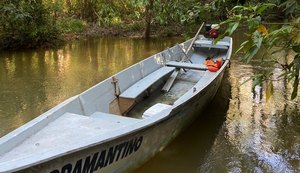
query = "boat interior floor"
{"x": 184, "y": 82}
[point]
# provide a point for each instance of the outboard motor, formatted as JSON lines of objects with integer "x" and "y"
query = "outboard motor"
{"x": 207, "y": 27}
{"x": 213, "y": 30}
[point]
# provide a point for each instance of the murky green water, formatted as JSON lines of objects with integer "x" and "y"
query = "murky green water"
{"x": 239, "y": 132}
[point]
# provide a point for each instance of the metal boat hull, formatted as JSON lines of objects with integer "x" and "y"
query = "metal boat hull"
{"x": 126, "y": 153}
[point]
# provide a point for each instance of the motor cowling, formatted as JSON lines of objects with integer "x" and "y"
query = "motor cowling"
{"x": 213, "y": 30}
{"x": 213, "y": 33}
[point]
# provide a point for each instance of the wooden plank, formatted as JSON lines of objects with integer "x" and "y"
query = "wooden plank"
{"x": 121, "y": 106}
{"x": 114, "y": 107}
{"x": 186, "y": 65}
{"x": 192, "y": 43}
{"x": 126, "y": 105}
{"x": 170, "y": 81}
{"x": 210, "y": 44}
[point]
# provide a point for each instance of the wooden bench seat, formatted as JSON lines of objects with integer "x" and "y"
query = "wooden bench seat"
{"x": 210, "y": 44}
{"x": 142, "y": 85}
{"x": 129, "y": 97}
{"x": 186, "y": 65}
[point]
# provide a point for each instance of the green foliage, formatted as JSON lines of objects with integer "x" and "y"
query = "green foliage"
{"x": 25, "y": 24}
{"x": 71, "y": 25}
{"x": 108, "y": 14}
{"x": 290, "y": 7}
{"x": 286, "y": 36}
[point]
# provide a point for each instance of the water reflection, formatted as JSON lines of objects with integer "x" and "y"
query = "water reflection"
{"x": 239, "y": 131}
{"x": 258, "y": 135}
{"x": 32, "y": 82}
{"x": 252, "y": 132}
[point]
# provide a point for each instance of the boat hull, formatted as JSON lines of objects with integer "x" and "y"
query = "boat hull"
{"x": 126, "y": 153}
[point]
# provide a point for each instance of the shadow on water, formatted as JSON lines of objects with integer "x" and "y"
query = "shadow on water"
{"x": 189, "y": 149}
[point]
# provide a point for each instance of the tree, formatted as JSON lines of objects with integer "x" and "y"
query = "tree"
{"x": 149, "y": 13}
{"x": 25, "y": 23}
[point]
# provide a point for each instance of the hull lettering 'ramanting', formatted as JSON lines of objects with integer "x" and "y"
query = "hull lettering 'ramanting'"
{"x": 103, "y": 158}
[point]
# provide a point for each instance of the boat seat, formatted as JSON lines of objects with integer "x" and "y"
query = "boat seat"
{"x": 142, "y": 85}
{"x": 186, "y": 65}
{"x": 210, "y": 44}
{"x": 114, "y": 118}
{"x": 155, "y": 109}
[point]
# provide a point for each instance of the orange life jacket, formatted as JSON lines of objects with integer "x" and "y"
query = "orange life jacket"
{"x": 214, "y": 66}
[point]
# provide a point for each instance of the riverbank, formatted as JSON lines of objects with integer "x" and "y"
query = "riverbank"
{"x": 126, "y": 31}
{"x": 93, "y": 30}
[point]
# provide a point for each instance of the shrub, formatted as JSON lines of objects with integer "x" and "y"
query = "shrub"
{"x": 25, "y": 24}
{"x": 67, "y": 25}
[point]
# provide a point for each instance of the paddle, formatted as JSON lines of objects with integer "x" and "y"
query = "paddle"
{"x": 194, "y": 39}
{"x": 173, "y": 76}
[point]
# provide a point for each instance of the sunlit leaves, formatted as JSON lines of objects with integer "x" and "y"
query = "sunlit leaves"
{"x": 262, "y": 29}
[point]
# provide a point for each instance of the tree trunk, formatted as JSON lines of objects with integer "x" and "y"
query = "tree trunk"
{"x": 149, "y": 12}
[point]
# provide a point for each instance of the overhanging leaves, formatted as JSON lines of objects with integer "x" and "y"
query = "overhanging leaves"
{"x": 286, "y": 37}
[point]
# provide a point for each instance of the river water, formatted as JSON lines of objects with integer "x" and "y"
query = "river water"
{"x": 240, "y": 131}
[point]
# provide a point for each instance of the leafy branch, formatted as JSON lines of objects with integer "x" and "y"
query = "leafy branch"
{"x": 286, "y": 37}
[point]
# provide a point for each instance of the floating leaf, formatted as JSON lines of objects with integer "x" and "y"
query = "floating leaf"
{"x": 269, "y": 90}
